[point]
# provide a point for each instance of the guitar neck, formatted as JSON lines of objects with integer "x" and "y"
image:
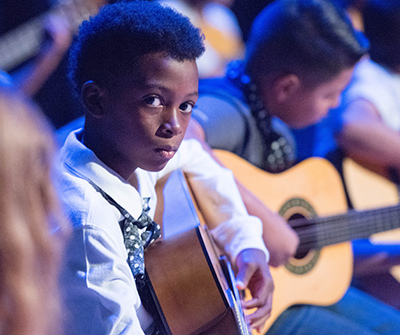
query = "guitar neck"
{"x": 316, "y": 233}
{"x": 25, "y": 41}
{"x": 21, "y": 43}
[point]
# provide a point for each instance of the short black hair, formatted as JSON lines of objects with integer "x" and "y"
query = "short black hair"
{"x": 109, "y": 45}
{"x": 313, "y": 39}
{"x": 382, "y": 26}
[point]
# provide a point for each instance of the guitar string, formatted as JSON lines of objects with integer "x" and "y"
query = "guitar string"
{"x": 325, "y": 231}
{"x": 323, "y": 237}
{"x": 348, "y": 216}
{"x": 345, "y": 227}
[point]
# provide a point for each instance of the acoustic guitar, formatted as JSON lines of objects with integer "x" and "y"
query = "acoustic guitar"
{"x": 368, "y": 189}
{"x": 24, "y": 42}
{"x": 311, "y": 197}
{"x": 193, "y": 285}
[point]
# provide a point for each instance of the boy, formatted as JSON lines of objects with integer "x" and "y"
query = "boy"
{"x": 134, "y": 67}
{"x": 300, "y": 56}
{"x": 371, "y": 134}
{"x": 371, "y": 103}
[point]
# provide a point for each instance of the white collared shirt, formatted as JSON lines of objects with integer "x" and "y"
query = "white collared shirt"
{"x": 379, "y": 86}
{"x": 99, "y": 288}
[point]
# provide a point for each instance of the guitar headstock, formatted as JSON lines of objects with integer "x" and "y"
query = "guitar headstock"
{"x": 25, "y": 41}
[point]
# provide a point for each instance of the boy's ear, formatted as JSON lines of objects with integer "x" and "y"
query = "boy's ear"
{"x": 285, "y": 87}
{"x": 92, "y": 97}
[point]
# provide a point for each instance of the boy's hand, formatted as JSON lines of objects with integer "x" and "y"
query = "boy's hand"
{"x": 253, "y": 273}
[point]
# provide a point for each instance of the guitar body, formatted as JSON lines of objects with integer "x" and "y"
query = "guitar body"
{"x": 192, "y": 283}
{"x": 312, "y": 187}
{"x": 310, "y": 196}
{"x": 368, "y": 189}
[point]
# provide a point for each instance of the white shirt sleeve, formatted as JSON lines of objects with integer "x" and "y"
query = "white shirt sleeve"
{"x": 219, "y": 200}
{"x": 100, "y": 291}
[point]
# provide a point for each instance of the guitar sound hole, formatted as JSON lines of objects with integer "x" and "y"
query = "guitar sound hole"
{"x": 299, "y": 213}
{"x": 300, "y": 254}
{"x": 298, "y": 222}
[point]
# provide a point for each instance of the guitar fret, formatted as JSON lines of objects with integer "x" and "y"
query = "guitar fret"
{"x": 333, "y": 232}
{"x": 324, "y": 231}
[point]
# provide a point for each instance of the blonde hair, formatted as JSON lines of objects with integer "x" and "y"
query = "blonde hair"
{"x": 29, "y": 211}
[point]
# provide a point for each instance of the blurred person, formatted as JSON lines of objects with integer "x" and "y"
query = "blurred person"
{"x": 33, "y": 229}
{"x": 223, "y": 38}
{"x": 370, "y": 134}
{"x": 371, "y": 104}
{"x": 138, "y": 99}
{"x": 31, "y": 77}
{"x": 34, "y": 40}
{"x": 300, "y": 56}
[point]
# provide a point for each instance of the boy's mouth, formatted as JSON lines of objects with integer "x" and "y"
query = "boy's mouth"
{"x": 167, "y": 153}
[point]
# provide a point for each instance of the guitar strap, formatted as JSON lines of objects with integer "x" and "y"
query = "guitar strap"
{"x": 138, "y": 234}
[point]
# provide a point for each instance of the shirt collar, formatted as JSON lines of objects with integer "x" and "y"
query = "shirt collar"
{"x": 83, "y": 162}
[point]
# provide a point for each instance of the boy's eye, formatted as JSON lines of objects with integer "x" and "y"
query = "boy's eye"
{"x": 186, "y": 107}
{"x": 153, "y": 101}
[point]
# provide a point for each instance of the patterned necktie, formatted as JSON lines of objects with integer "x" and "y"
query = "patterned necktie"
{"x": 138, "y": 234}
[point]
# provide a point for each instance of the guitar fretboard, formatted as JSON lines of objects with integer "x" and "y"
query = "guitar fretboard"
{"x": 316, "y": 233}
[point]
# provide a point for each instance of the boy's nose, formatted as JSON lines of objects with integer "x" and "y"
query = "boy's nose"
{"x": 172, "y": 126}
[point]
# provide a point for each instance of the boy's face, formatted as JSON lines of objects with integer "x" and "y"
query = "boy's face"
{"x": 148, "y": 115}
{"x": 307, "y": 106}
